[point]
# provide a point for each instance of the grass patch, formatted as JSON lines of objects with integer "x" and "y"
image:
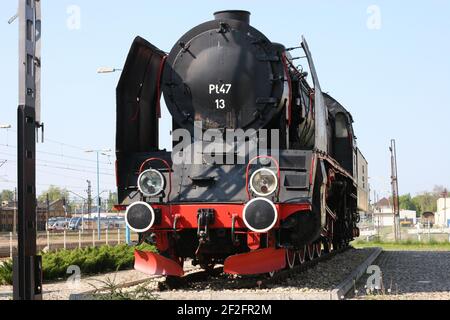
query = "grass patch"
{"x": 90, "y": 260}
{"x": 111, "y": 291}
{"x": 406, "y": 245}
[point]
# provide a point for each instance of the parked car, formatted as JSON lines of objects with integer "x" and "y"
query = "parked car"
{"x": 58, "y": 224}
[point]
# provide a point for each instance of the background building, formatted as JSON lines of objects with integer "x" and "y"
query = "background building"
{"x": 8, "y": 214}
{"x": 383, "y": 215}
{"x": 363, "y": 183}
{"x": 442, "y": 216}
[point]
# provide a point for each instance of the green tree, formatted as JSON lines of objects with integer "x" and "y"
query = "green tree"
{"x": 7, "y": 195}
{"x": 423, "y": 202}
{"x": 406, "y": 203}
{"x": 112, "y": 200}
{"x": 426, "y": 202}
{"x": 54, "y": 194}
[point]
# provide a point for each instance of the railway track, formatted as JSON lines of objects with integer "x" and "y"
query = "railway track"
{"x": 216, "y": 277}
{"x": 197, "y": 279}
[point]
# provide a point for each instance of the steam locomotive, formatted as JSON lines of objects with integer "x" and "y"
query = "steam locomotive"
{"x": 287, "y": 187}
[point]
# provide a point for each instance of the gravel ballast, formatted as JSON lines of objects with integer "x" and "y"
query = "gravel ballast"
{"x": 314, "y": 283}
{"x": 410, "y": 275}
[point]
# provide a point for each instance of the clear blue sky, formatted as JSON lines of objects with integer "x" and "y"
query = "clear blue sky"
{"x": 394, "y": 80}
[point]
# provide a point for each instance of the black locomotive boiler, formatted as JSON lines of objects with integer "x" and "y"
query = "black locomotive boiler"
{"x": 297, "y": 197}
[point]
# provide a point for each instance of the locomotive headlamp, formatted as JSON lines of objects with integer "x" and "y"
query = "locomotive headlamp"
{"x": 264, "y": 182}
{"x": 140, "y": 217}
{"x": 260, "y": 215}
{"x": 151, "y": 183}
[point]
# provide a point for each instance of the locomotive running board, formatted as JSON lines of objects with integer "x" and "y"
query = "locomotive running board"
{"x": 256, "y": 262}
{"x": 155, "y": 265}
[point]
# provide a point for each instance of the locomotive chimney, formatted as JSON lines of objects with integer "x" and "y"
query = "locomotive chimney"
{"x": 239, "y": 15}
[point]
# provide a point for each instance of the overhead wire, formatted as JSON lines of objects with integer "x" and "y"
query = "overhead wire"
{"x": 106, "y": 170}
{"x": 60, "y": 155}
{"x": 43, "y": 163}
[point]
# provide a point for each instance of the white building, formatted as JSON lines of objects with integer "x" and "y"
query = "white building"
{"x": 442, "y": 216}
{"x": 363, "y": 183}
{"x": 383, "y": 214}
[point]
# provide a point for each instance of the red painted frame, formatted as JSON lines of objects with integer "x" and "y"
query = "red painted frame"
{"x": 188, "y": 215}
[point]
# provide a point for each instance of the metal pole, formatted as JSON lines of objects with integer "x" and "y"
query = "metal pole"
{"x": 48, "y": 211}
{"x": 82, "y": 217}
{"x": 15, "y": 212}
{"x": 127, "y": 235}
{"x": 98, "y": 196}
{"x": 65, "y": 238}
{"x": 395, "y": 193}
{"x": 378, "y": 227}
{"x": 27, "y": 277}
{"x": 11, "y": 245}
{"x": 89, "y": 201}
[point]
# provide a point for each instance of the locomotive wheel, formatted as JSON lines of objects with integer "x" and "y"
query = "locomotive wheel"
{"x": 290, "y": 258}
{"x": 311, "y": 250}
{"x": 302, "y": 255}
{"x": 318, "y": 249}
{"x": 327, "y": 246}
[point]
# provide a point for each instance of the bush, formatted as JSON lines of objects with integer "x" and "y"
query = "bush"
{"x": 90, "y": 260}
{"x": 6, "y": 272}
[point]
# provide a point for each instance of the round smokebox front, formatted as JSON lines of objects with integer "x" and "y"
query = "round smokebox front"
{"x": 221, "y": 74}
